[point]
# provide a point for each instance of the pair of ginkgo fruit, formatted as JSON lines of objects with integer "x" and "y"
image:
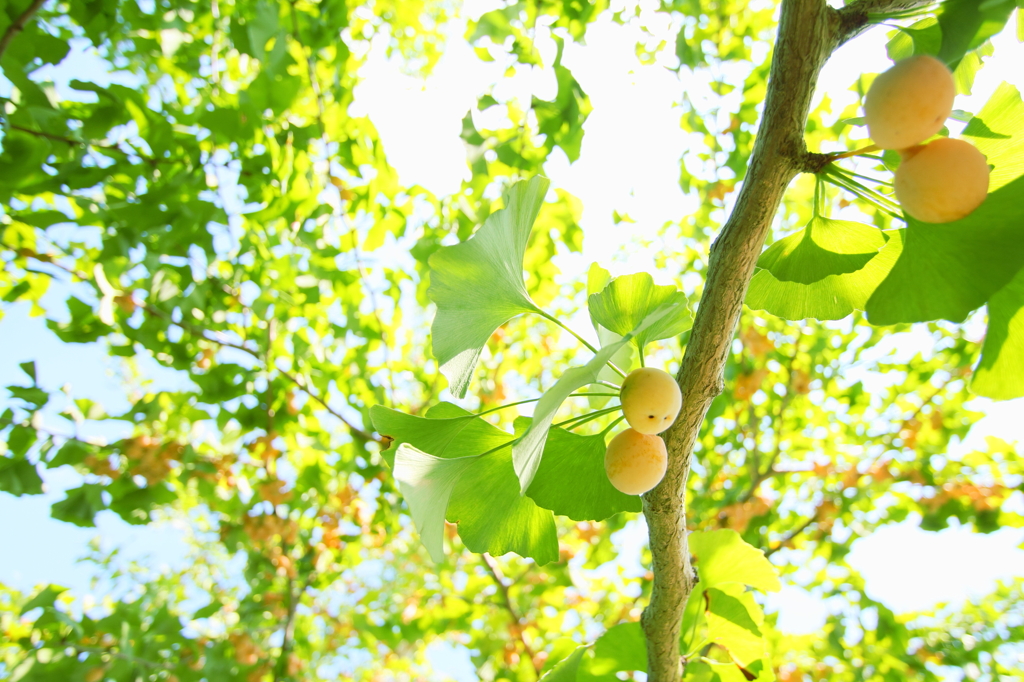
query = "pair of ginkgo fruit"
{"x": 943, "y": 180}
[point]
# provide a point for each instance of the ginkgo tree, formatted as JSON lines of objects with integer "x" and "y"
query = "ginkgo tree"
{"x": 219, "y": 210}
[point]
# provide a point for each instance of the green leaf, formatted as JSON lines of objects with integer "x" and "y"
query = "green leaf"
{"x": 966, "y": 24}
{"x": 429, "y": 435}
{"x": 571, "y": 480}
{"x": 734, "y": 621}
{"x": 626, "y": 301}
{"x": 478, "y": 284}
{"x": 567, "y": 668}
{"x": 947, "y": 270}
{"x": 621, "y": 649}
{"x": 29, "y": 368}
{"x": 831, "y": 298}
{"x": 427, "y": 483}
{"x": 998, "y": 133}
{"x": 80, "y": 506}
{"x": 1000, "y": 372}
{"x": 72, "y": 452}
{"x": 528, "y": 451}
{"x": 36, "y": 397}
{"x": 134, "y": 504}
{"x": 924, "y": 37}
{"x": 18, "y": 476}
{"x": 825, "y": 247}
{"x": 43, "y": 599}
{"x": 208, "y": 610}
{"x": 484, "y": 500}
{"x": 20, "y": 439}
{"x": 723, "y": 557}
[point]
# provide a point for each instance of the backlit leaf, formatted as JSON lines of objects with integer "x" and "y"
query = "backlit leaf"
{"x": 478, "y": 284}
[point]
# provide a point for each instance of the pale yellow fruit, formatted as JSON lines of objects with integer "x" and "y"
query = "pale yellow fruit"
{"x": 909, "y": 103}
{"x": 942, "y": 181}
{"x": 650, "y": 400}
{"x": 635, "y": 462}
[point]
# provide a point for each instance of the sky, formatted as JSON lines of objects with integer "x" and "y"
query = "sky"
{"x": 623, "y": 167}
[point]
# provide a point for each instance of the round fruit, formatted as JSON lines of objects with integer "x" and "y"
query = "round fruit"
{"x": 942, "y": 181}
{"x": 635, "y": 462}
{"x": 909, "y": 103}
{"x": 650, "y": 400}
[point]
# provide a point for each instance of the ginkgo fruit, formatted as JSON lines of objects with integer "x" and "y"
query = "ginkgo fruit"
{"x": 941, "y": 181}
{"x": 909, "y": 103}
{"x": 635, "y": 462}
{"x": 650, "y": 400}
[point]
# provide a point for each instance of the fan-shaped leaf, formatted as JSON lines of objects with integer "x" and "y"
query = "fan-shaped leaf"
{"x": 458, "y": 482}
{"x": 831, "y": 298}
{"x": 571, "y": 480}
{"x": 626, "y": 301}
{"x": 478, "y": 284}
{"x": 825, "y": 247}
{"x": 723, "y": 557}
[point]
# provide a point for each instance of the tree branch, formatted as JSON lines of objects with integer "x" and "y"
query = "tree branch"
{"x": 809, "y": 31}
{"x": 492, "y": 567}
{"x": 18, "y": 25}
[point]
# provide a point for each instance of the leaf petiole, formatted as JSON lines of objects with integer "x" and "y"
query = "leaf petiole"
{"x": 533, "y": 400}
{"x": 579, "y": 338}
{"x": 581, "y": 420}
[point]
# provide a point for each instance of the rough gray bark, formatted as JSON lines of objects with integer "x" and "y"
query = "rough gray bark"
{"x": 809, "y": 31}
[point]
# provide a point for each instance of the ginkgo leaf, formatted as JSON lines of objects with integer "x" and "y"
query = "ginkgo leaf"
{"x": 734, "y": 621}
{"x": 428, "y": 435}
{"x": 825, "y": 247}
{"x": 1000, "y": 372}
{"x": 831, "y": 298}
{"x": 622, "y": 648}
{"x": 567, "y": 669}
{"x": 626, "y": 301}
{"x": 527, "y": 452}
{"x": 998, "y": 133}
{"x": 427, "y": 483}
{"x": 478, "y": 284}
{"x": 723, "y": 557}
{"x": 466, "y": 478}
{"x": 580, "y": 459}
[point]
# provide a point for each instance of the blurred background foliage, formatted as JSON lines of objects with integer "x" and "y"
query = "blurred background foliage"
{"x": 218, "y": 210}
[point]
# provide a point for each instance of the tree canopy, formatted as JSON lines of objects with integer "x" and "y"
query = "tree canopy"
{"x": 390, "y": 421}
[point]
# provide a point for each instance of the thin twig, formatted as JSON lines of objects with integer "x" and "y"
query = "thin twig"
{"x": 18, "y": 25}
{"x": 791, "y": 535}
{"x": 492, "y": 567}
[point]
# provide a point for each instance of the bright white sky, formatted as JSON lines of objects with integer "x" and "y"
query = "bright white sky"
{"x": 629, "y": 163}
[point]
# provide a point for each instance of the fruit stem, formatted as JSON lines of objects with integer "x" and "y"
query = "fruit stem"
{"x": 533, "y": 400}
{"x": 839, "y": 177}
{"x": 579, "y": 338}
{"x": 586, "y": 417}
{"x": 856, "y": 152}
{"x": 612, "y": 425}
